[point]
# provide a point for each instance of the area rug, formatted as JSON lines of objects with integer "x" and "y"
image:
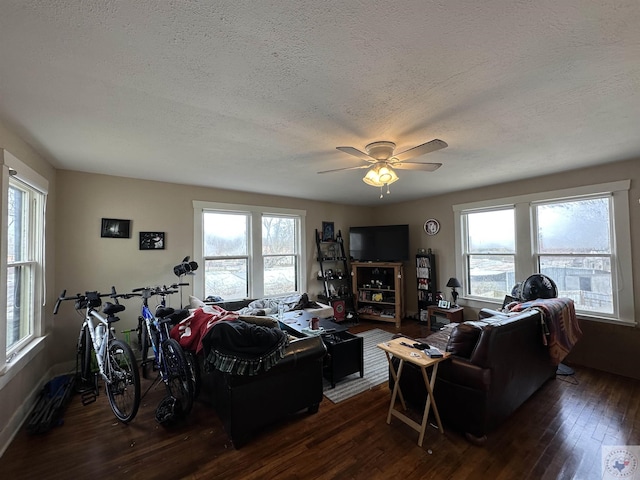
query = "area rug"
{"x": 376, "y": 369}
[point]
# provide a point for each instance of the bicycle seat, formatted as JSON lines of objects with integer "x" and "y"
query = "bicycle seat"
{"x": 112, "y": 308}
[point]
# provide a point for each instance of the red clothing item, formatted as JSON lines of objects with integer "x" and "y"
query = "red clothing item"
{"x": 190, "y": 331}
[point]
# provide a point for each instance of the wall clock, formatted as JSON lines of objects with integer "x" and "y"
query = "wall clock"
{"x": 431, "y": 226}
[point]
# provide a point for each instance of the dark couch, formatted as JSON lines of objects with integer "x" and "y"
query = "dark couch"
{"x": 497, "y": 363}
{"x": 248, "y": 403}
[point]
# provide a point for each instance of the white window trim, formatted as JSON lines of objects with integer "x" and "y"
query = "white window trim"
{"x": 199, "y": 207}
{"x": 524, "y": 239}
{"x": 28, "y": 351}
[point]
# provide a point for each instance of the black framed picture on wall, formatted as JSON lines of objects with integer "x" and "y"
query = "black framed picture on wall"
{"x": 152, "y": 241}
{"x": 327, "y": 232}
{"x": 115, "y": 228}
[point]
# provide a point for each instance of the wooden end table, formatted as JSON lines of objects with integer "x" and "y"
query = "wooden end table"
{"x": 453, "y": 314}
{"x": 393, "y": 348}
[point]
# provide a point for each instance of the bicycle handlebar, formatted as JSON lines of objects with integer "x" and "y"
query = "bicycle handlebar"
{"x": 79, "y": 296}
{"x": 60, "y": 299}
{"x": 150, "y": 291}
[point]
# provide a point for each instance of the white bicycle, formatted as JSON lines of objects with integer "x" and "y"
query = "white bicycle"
{"x": 115, "y": 360}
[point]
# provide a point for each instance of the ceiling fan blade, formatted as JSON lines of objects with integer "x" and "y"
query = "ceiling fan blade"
{"x": 357, "y": 153}
{"x": 426, "y": 167}
{"x": 428, "y": 147}
{"x": 346, "y": 168}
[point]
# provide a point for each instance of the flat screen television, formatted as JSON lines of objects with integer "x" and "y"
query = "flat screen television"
{"x": 385, "y": 243}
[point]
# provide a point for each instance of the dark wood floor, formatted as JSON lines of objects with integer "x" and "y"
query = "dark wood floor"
{"x": 557, "y": 434}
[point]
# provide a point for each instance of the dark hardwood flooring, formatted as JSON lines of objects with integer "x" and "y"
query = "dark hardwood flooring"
{"x": 557, "y": 434}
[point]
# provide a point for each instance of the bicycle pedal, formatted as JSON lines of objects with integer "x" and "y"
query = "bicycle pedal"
{"x": 88, "y": 397}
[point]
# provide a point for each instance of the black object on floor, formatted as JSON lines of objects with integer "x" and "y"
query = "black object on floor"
{"x": 51, "y": 403}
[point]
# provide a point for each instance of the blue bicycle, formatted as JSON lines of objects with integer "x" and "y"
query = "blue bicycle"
{"x": 168, "y": 359}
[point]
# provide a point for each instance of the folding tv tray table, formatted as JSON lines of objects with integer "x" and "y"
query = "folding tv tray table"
{"x": 393, "y": 348}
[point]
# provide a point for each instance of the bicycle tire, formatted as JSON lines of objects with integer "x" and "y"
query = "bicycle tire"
{"x": 83, "y": 358}
{"x": 194, "y": 369}
{"x": 124, "y": 390}
{"x": 177, "y": 375}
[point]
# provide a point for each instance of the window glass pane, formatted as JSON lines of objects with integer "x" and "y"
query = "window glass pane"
{"x": 280, "y": 274}
{"x": 580, "y": 226}
{"x": 491, "y": 232}
{"x": 278, "y": 235}
{"x": 586, "y": 280}
{"x": 491, "y": 276}
{"x": 225, "y": 234}
{"x": 17, "y": 224}
{"x": 20, "y": 278}
{"x": 19, "y": 303}
{"x": 226, "y": 278}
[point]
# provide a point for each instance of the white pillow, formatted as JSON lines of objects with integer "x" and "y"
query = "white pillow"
{"x": 195, "y": 302}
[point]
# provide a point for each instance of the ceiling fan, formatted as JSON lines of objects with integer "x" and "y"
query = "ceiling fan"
{"x": 381, "y": 161}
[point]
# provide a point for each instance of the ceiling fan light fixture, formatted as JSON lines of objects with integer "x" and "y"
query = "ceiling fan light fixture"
{"x": 371, "y": 178}
{"x": 380, "y": 175}
{"x": 387, "y": 175}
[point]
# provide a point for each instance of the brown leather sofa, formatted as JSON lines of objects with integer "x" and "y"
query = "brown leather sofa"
{"x": 249, "y": 403}
{"x": 496, "y": 364}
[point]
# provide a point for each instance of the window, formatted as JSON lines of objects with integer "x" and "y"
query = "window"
{"x": 247, "y": 251}
{"x": 575, "y": 249}
{"x": 226, "y": 254}
{"x": 578, "y": 237}
{"x": 24, "y": 197}
{"x": 280, "y": 257}
{"x": 490, "y": 252}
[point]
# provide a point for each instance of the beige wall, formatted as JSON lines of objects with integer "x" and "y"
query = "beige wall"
{"x": 604, "y": 346}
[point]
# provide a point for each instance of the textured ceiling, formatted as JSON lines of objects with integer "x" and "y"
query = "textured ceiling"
{"x": 256, "y": 95}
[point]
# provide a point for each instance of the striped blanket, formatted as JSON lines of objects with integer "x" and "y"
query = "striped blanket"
{"x": 561, "y": 330}
{"x": 242, "y": 348}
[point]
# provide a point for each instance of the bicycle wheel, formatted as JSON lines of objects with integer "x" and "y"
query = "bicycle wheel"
{"x": 123, "y": 390}
{"x": 194, "y": 370}
{"x": 83, "y": 357}
{"x": 177, "y": 375}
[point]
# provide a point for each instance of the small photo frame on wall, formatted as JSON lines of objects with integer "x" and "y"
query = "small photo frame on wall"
{"x": 115, "y": 228}
{"x": 152, "y": 241}
{"x": 327, "y": 232}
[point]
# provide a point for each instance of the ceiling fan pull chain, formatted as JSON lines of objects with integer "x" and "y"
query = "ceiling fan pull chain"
{"x": 381, "y": 195}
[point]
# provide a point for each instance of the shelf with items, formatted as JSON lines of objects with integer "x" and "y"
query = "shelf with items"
{"x": 335, "y": 277}
{"x": 380, "y": 289}
{"x": 426, "y": 283}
